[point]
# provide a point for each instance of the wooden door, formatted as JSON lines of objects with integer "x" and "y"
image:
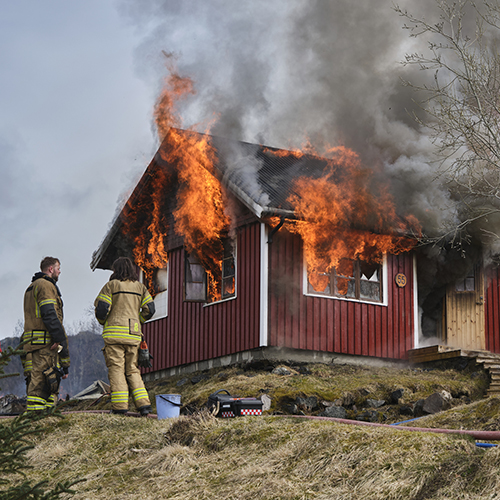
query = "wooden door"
{"x": 464, "y": 312}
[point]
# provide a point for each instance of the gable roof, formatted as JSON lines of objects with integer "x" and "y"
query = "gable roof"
{"x": 260, "y": 177}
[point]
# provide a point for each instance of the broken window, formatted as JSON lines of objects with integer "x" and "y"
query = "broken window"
{"x": 158, "y": 287}
{"x": 468, "y": 283}
{"x": 197, "y": 283}
{"x": 351, "y": 279}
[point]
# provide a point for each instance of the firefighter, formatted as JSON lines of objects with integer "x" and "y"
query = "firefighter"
{"x": 122, "y": 306}
{"x": 47, "y": 346}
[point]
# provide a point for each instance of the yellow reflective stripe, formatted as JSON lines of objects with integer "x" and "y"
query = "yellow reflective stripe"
{"x": 104, "y": 298}
{"x": 113, "y": 335}
{"x": 36, "y": 403}
{"x": 119, "y": 397}
{"x": 116, "y": 328}
{"x": 140, "y": 393}
{"x": 38, "y": 337}
{"x": 147, "y": 299}
{"x": 47, "y": 301}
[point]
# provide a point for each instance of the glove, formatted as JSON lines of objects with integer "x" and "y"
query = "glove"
{"x": 144, "y": 358}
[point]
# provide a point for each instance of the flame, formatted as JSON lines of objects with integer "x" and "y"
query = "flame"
{"x": 199, "y": 215}
{"x": 345, "y": 215}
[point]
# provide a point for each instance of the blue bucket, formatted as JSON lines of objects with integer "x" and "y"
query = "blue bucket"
{"x": 168, "y": 405}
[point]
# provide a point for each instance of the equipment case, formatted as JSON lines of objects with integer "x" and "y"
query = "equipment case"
{"x": 226, "y": 406}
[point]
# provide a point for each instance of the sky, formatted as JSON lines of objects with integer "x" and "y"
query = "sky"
{"x": 79, "y": 81}
{"x": 75, "y": 134}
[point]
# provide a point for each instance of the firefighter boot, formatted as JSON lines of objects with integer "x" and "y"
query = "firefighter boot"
{"x": 119, "y": 412}
{"x": 145, "y": 410}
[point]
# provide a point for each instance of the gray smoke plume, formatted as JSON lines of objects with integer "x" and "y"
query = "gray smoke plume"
{"x": 286, "y": 72}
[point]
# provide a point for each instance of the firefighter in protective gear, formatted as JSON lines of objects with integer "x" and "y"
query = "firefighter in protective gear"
{"x": 122, "y": 306}
{"x": 47, "y": 345}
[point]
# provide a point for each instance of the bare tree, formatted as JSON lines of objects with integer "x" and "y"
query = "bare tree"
{"x": 462, "y": 102}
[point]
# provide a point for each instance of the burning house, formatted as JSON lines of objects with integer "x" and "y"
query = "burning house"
{"x": 249, "y": 249}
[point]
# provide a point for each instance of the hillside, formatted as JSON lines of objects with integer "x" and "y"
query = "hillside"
{"x": 276, "y": 456}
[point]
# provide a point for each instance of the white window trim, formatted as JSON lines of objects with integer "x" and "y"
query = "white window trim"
{"x": 163, "y": 296}
{"x": 385, "y": 291}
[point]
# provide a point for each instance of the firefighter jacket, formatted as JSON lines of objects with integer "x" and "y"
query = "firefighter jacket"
{"x": 43, "y": 317}
{"x": 122, "y": 307}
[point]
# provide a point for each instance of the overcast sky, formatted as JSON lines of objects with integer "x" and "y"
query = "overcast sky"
{"x": 79, "y": 81}
{"x": 75, "y": 132}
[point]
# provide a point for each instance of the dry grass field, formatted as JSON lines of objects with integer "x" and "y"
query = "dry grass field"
{"x": 199, "y": 456}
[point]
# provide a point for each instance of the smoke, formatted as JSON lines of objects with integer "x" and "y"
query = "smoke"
{"x": 285, "y": 73}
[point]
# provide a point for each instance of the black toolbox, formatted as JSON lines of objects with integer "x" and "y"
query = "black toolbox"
{"x": 226, "y": 406}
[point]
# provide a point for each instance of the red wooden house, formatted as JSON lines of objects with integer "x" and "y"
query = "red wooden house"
{"x": 249, "y": 292}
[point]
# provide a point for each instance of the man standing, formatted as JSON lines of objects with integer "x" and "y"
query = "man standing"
{"x": 44, "y": 331}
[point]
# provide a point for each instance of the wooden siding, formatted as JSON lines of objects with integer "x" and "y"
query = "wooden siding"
{"x": 492, "y": 308}
{"x": 333, "y": 325}
{"x": 193, "y": 332}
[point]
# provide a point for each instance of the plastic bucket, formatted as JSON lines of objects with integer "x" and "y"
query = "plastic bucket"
{"x": 168, "y": 405}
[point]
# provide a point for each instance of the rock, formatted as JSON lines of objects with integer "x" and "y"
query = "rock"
{"x": 291, "y": 408}
{"x": 334, "y": 412}
{"x": 181, "y": 382}
{"x": 375, "y": 403}
{"x": 348, "y": 399}
{"x": 418, "y": 408}
{"x": 303, "y": 370}
{"x": 266, "y": 402}
{"x": 437, "y": 402}
{"x": 406, "y": 410}
{"x": 199, "y": 378}
{"x": 307, "y": 404}
{"x": 368, "y": 416}
{"x": 281, "y": 370}
{"x": 395, "y": 396}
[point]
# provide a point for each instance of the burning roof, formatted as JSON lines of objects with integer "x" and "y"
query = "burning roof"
{"x": 185, "y": 188}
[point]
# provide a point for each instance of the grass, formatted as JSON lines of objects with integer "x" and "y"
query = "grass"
{"x": 273, "y": 457}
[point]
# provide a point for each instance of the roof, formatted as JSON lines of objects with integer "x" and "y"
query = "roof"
{"x": 258, "y": 176}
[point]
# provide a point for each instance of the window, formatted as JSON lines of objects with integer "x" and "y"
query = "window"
{"x": 228, "y": 273}
{"x": 195, "y": 280}
{"x": 158, "y": 288}
{"x": 351, "y": 279}
{"x": 468, "y": 283}
{"x": 196, "y": 283}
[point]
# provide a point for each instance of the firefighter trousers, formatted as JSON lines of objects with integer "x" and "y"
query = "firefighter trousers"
{"x": 125, "y": 376}
{"x": 38, "y": 393}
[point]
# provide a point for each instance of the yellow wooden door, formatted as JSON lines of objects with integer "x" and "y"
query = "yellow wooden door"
{"x": 465, "y": 312}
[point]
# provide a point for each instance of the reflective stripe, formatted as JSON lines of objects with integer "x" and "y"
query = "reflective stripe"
{"x": 48, "y": 301}
{"x": 38, "y": 337}
{"x": 147, "y": 299}
{"x": 35, "y": 403}
{"x": 118, "y": 332}
{"x": 119, "y": 397}
{"x": 140, "y": 393}
{"x": 104, "y": 298}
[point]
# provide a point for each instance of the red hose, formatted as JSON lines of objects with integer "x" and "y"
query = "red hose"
{"x": 485, "y": 435}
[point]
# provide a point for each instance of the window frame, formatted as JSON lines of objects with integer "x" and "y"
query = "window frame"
{"x": 204, "y": 282}
{"x": 161, "y": 298}
{"x": 383, "y": 284}
{"x": 234, "y": 276}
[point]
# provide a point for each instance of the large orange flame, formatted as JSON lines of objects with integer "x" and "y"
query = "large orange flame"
{"x": 346, "y": 214}
{"x": 199, "y": 215}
